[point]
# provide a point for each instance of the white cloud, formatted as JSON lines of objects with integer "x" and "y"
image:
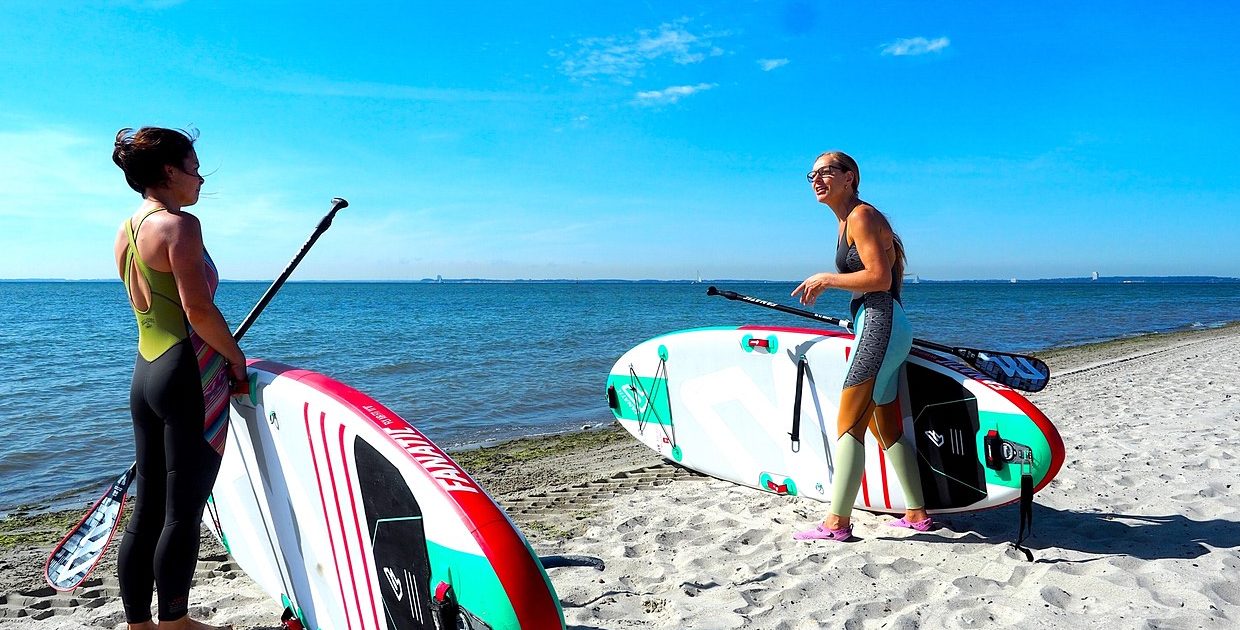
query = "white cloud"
{"x": 621, "y": 58}
{"x": 770, "y": 64}
{"x": 671, "y": 94}
{"x": 915, "y": 46}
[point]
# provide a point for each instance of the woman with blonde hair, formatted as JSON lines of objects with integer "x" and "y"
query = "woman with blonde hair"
{"x": 869, "y": 260}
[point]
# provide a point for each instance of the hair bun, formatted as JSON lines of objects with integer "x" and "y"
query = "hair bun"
{"x": 144, "y": 153}
{"x": 124, "y": 138}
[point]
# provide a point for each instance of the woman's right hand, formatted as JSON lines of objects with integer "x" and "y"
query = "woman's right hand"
{"x": 812, "y": 288}
{"x": 238, "y": 378}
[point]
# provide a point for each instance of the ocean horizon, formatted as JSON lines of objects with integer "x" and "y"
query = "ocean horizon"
{"x": 918, "y": 280}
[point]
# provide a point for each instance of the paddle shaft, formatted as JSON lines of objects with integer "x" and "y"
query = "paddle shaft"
{"x": 1033, "y": 379}
{"x": 326, "y": 222}
{"x": 733, "y": 295}
{"x": 842, "y": 323}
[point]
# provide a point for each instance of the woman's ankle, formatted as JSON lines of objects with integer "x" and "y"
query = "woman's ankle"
{"x": 836, "y": 522}
{"x": 916, "y": 515}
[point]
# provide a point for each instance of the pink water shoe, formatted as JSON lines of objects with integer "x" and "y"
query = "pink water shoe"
{"x": 921, "y": 526}
{"x": 822, "y": 533}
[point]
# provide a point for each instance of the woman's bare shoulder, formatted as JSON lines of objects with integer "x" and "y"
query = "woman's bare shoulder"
{"x": 865, "y": 216}
{"x": 176, "y": 225}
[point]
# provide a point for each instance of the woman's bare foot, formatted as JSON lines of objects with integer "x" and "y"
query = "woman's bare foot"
{"x": 185, "y": 623}
{"x": 145, "y": 625}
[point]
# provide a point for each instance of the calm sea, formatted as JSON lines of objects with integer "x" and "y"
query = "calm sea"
{"x": 472, "y": 363}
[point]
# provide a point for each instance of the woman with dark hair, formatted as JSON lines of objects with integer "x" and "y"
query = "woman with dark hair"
{"x": 181, "y": 381}
{"x": 869, "y": 260}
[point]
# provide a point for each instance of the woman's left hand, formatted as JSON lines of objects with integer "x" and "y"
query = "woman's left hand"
{"x": 812, "y": 288}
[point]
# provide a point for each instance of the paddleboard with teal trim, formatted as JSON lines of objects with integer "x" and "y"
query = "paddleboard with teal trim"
{"x": 757, "y": 405}
{"x": 352, "y": 519}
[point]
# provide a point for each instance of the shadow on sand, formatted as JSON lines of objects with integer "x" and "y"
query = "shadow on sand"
{"x": 1097, "y": 533}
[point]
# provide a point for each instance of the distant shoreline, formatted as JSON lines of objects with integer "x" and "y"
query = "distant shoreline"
{"x": 1073, "y": 280}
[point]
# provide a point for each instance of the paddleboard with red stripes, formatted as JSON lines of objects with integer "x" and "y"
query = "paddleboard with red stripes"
{"x": 353, "y": 519}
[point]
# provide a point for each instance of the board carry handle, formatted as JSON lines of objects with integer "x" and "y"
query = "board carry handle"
{"x": 1018, "y": 371}
{"x": 796, "y": 406}
{"x": 770, "y": 343}
{"x": 613, "y": 399}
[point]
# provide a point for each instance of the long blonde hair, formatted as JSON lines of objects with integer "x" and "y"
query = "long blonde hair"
{"x": 847, "y": 163}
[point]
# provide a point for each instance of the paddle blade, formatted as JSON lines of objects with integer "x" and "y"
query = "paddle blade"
{"x": 81, "y": 549}
{"x": 1017, "y": 371}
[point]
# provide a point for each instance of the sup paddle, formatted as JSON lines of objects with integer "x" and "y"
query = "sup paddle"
{"x": 1018, "y": 371}
{"x": 73, "y": 559}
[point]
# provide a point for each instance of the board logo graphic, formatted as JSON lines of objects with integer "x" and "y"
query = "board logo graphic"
{"x": 636, "y": 398}
{"x": 397, "y": 585}
{"x": 1013, "y": 452}
{"x": 957, "y": 440}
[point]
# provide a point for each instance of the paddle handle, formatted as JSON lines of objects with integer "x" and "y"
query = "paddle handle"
{"x": 326, "y": 222}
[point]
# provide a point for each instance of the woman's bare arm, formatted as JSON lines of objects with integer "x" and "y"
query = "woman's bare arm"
{"x": 872, "y": 237}
{"x": 185, "y": 255}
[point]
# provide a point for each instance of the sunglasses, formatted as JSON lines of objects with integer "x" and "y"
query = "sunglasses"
{"x": 823, "y": 172}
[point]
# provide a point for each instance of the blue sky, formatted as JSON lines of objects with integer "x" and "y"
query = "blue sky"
{"x": 632, "y": 140}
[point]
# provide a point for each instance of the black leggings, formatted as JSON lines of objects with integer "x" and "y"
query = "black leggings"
{"x": 176, "y": 470}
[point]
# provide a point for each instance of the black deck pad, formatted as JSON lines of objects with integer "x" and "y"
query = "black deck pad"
{"x": 398, "y": 539}
{"x": 945, "y": 423}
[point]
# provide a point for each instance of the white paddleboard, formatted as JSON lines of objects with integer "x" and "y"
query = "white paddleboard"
{"x": 721, "y": 401}
{"x": 353, "y": 519}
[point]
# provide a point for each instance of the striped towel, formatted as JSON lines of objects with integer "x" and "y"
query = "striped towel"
{"x": 215, "y": 392}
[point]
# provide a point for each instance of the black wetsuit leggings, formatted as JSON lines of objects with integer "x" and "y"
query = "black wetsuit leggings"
{"x": 176, "y": 470}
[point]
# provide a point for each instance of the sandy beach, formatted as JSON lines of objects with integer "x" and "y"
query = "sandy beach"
{"x": 1141, "y": 528}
